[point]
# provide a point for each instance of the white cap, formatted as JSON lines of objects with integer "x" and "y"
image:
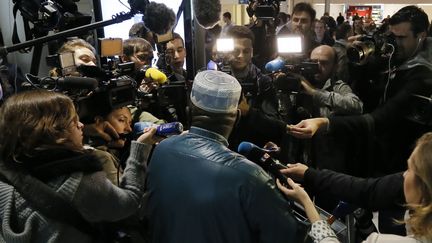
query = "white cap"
{"x": 215, "y": 91}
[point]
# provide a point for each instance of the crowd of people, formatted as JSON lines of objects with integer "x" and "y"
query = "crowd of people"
{"x": 73, "y": 171}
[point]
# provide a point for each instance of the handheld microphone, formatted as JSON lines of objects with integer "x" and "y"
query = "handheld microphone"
{"x": 341, "y": 210}
{"x": 275, "y": 65}
{"x": 71, "y": 82}
{"x": 158, "y": 18}
{"x": 262, "y": 158}
{"x": 156, "y": 75}
{"x": 163, "y": 130}
{"x": 207, "y": 12}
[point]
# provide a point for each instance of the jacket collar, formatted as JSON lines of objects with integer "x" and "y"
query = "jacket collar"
{"x": 208, "y": 134}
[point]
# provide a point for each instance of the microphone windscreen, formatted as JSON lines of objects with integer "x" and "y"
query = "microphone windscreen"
{"x": 156, "y": 75}
{"x": 207, "y": 12}
{"x": 275, "y": 65}
{"x": 158, "y": 18}
{"x": 250, "y": 151}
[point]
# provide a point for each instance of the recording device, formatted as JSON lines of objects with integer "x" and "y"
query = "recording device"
{"x": 341, "y": 210}
{"x": 163, "y": 130}
{"x": 60, "y": 83}
{"x": 421, "y": 110}
{"x": 381, "y": 46}
{"x": 262, "y": 158}
{"x": 263, "y": 9}
{"x": 207, "y": 12}
{"x": 47, "y": 15}
{"x": 224, "y": 50}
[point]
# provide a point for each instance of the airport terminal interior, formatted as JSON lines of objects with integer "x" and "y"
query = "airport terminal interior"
{"x": 179, "y": 121}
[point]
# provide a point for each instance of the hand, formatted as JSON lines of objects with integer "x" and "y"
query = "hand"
{"x": 102, "y": 129}
{"x": 308, "y": 87}
{"x": 148, "y": 85}
{"x": 307, "y": 128}
{"x": 297, "y": 193}
{"x": 295, "y": 171}
{"x": 243, "y": 106}
{"x": 149, "y": 137}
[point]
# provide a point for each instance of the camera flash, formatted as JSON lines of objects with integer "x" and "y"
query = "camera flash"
{"x": 289, "y": 44}
{"x": 225, "y": 45}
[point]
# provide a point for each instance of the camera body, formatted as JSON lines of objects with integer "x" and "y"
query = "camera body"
{"x": 378, "y": 45}
{"x": 263, "y": 9}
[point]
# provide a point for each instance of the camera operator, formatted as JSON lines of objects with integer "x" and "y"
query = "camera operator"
{"x": 330, "y": 97}
{"x": 303, "y": 17}
{"x": 201, "y": 191}
{"x": 391, "y": 128}
{"x": 257, "y": 102}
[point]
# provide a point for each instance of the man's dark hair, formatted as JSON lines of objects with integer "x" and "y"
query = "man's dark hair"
{"x": 239, "y": 31}
{"x": 342, "y": 31}
{"x": 305, "y": 7}
{"x": 178, "y": 36}
{"x": 227, "y": 15}
{"x": 414, "y": 15}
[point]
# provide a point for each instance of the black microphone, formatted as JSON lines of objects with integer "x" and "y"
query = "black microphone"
{"x": 263, "y": 159}
{"x": 158, "y": 18}
{"x": 207, "y": 12}
{"x": 72, "y": 82}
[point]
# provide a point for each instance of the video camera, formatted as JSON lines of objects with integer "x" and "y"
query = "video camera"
{"x": 379, "y": 46}
{"x": 47, "y": 15}
{"x": 263, "y": 9}
{"x": 114, "y": 86}
{"x": 291, "y": 66}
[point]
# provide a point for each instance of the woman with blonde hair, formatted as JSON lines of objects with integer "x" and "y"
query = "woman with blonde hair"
{"x": 417, "y": 188}
{"x": 52, "y": 189}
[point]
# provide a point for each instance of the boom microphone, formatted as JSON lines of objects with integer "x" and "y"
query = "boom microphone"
{"x": 71, "y": 82}
{"x": 262, "y": 158}
{"x": 158, "y": 18}
{"x": 207, "y": 12}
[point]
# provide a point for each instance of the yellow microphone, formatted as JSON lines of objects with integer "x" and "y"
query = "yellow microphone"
{"x": 156, "y": 75}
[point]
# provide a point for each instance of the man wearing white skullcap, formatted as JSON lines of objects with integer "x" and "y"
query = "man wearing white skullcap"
{"x": 200, "y": 191}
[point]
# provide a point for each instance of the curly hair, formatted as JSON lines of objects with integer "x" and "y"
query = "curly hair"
{"x": 421, "y": 214}
{"x": 35, "y": 120}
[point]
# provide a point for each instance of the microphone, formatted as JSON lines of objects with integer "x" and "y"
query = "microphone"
{"x": 156, "y": 75}
{"x": 341, "y": 210}
{"x": 261, "y": 157}
{"x": 275, "y": 65}
{"x": 207, "y": 12}
{"x": 158, "y": 18}
{"x": 71, "y": 82}
{"x": 163, "y": 130}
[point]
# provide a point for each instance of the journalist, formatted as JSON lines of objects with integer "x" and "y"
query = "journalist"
{"x": 200, "y": 191}
{"x": 411, "y": 188}
{"x": 54, "y": 190}
{"x": 392, "y": 127}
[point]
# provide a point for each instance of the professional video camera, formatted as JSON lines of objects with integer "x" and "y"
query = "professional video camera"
{"x": 263, "y": 9}
{"x": 113, "y": 85}
{"x": 290, "y": 67}
{"x": 379, "y": 46}
{"x": 47, "y": 15}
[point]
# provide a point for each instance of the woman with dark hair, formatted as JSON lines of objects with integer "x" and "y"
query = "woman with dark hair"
{"x": 53, "y": 190}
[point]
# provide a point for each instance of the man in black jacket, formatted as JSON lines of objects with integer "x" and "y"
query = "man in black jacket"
{"x": 391, "y": 129}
